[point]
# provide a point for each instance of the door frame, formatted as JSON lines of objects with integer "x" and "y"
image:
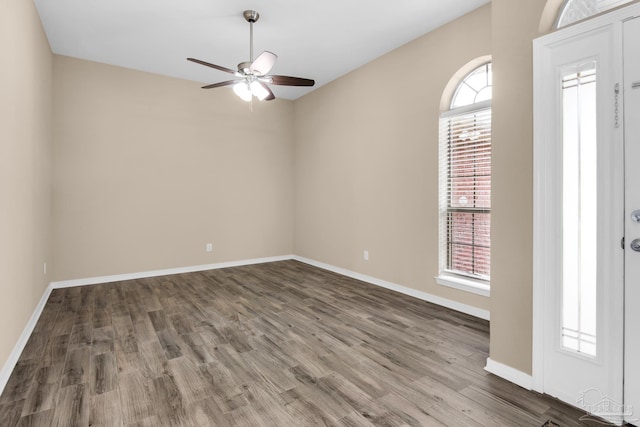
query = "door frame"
{"x": 632, "y": 228}
{"x": 543, "y": 236}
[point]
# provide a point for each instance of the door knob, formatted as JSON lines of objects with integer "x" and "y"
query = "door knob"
{"x": 635, "y": 245}
{"x": 635, "y": 215}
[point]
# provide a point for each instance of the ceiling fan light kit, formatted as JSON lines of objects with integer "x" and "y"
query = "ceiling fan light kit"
{"x": 251, "y": 77}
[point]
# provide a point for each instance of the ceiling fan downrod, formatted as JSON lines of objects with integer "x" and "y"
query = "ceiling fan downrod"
{"x": 251, "y": 16}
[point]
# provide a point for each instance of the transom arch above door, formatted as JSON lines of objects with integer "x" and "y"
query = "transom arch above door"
{"x": 560, "y": 13}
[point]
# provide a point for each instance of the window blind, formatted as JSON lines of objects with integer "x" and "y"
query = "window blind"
{"x": 465, "y": 193}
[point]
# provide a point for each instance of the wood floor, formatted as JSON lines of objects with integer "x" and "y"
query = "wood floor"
{"x": 279, "y": 344}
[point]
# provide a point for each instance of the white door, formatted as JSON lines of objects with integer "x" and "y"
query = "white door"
{"x": 578, "y": 229}
{"x": 632, "y": 218}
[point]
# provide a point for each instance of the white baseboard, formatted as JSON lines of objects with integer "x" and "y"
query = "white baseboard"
{"x": 7, "y": 369}
{"x": 444, "y": 302}
{"x": 164, "y": 272}
{"x": 510, "y": 374}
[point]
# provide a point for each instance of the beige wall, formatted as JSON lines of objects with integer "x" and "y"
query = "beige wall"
{"x": 515, "y": 25}
{"x": 366, "y": 160}
{"x": 148, "y": 169}
{"x": 25, "y": 165}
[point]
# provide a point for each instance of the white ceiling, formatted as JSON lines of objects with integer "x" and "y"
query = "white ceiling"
{"x": 317, "y": 39}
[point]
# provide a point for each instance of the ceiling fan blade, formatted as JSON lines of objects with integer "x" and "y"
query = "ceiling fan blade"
{"x": 291, "y": 81}
{"x": 270, "y": 96}
{"x": 214, "y": 85}
{"x": 263, "y": 63}
{"x": 207, "y": 64}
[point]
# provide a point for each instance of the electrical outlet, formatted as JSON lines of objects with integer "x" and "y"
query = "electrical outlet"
{"x": 209, "y": 247}
{"x": 365, "y": 255}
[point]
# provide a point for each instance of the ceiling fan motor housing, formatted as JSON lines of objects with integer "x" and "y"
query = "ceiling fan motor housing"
{"x": 245, "y": 68}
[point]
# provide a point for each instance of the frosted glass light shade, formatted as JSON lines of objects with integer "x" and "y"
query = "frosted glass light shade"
{"x": 258, "y": 90}
{"x": 242, "y": 90}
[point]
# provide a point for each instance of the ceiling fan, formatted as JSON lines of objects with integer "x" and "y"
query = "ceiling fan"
{"x": 252, "y": 78}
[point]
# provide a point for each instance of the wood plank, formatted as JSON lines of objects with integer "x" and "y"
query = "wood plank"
{"x": 105, "y": 410}
{"x": 10, "y": 412}
{"x": 169, "y": 403}
{"x": 410, "y": 413}
{"x": 147, "y": 422}
{"x": 225, "y": 391}
{"x": 267, "y": 405}
{"x": 357, "y": 398}
{"x": 461, "y": 404}
{"x": 145, "y": 331}
{"x": 188, "y": 380}
{"x": 72, "y": 407}
{"x": 354, "y": 419}
{"x": 180, "y": 323}
{"x": 238, "y": 341}
{"x": 127, "y": 362}
{"x": 171, "y": 343}
{"x": 64, "y": 323}
{"x": 153, "y": 359}
{"x": 515, "y": 415}
{"x": 273, "y": 377}
{"x": 102, "y": 340}
{"x": 135, "y": 398}
{"x": 104, "y": 373}
{"x": 158, "y": 319}
{"x": 35, "y": 347}
{"x": 125, "y": 333}
{"x": 81, "y": 335}
{"x": 317, "y": 392}
{"x": 76, "y": 367}
{"x": 19, "y": 383}
{"x": 42, "y": 393}
{"x": 304, "y": 410}
{"x": 206, "y": 412}
{"x": 38, "y": 419}
{"x": 56, "y": 350}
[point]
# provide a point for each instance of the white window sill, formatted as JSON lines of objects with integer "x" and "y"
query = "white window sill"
{"x": 477, "y": 287}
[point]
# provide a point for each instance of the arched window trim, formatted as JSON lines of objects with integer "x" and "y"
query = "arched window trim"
{"x": 457, "y": 77}
{"x": 486, "y": 69}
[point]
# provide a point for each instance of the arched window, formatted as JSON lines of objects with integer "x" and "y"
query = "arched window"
{"x": 575, "y": 10}
{"x": 465, "y": 184}
{"x": 476, "y": 87}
